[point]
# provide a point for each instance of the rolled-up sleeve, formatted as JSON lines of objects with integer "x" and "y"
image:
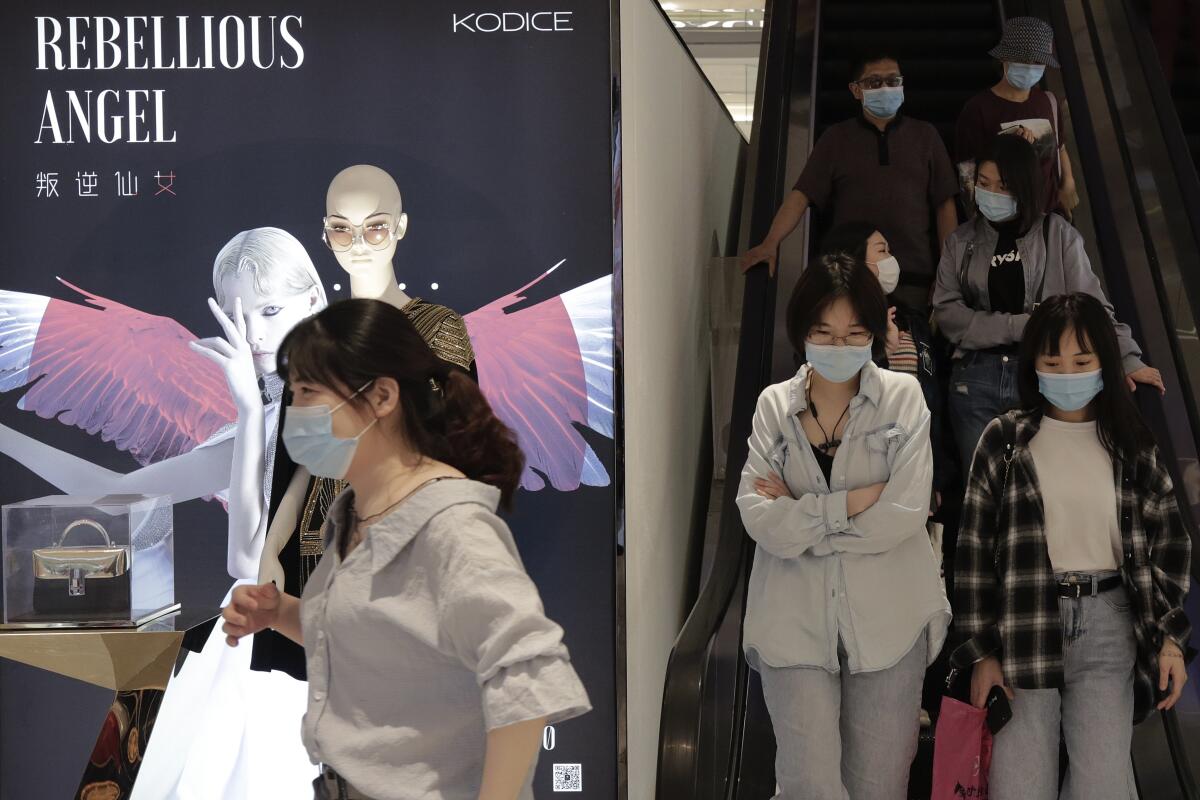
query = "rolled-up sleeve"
{"x": 784, "y": 527}
{"x": 491, "y": 617}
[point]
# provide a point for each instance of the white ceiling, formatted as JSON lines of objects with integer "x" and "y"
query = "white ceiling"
{"x": 731, "y": 5}
{"x": 724, "y": 37}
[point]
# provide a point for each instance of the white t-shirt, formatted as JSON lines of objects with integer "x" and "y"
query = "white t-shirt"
{"x": 1075, "y": 473}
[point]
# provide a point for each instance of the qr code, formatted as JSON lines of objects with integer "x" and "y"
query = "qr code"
{"x": 568, "y": 777}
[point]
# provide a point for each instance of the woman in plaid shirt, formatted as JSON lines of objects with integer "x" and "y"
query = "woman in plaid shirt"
{"x": 1072, "y": 564}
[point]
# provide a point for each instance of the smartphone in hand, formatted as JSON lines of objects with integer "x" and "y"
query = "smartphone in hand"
{"x": 999, "y": 711}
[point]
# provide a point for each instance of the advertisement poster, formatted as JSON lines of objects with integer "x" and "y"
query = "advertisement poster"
{"x": 139, "y": 138}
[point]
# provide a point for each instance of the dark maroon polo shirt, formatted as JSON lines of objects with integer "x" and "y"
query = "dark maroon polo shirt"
{"x": 894, "y": 179}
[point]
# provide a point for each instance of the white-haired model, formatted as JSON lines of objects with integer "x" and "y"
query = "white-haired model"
{"x": 147, "y": 385}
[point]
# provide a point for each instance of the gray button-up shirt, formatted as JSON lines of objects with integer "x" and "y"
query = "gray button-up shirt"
{"x": 871, "y": 580}
{"x": 428, "y": 635}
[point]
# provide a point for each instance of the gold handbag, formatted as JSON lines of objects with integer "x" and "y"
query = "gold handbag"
{"x": 81, "y": 566}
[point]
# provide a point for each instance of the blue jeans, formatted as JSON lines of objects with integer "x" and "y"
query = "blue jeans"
{"x": 1094, "y": 711}
{"x": 982, "y": 387}
{"x": 845, "y": 737}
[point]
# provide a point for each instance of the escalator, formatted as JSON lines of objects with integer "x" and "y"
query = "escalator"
{"x": 941, "y": 46}
{"x": 1141, "y": 223}
{"x": 1175, "y": 29}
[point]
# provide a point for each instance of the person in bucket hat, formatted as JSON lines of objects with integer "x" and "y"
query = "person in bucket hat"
{"x": 1018, "y": 106}
{"x": 1026, "y": 40}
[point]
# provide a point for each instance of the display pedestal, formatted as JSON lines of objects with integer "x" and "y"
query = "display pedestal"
{"x": 136, "y": 664}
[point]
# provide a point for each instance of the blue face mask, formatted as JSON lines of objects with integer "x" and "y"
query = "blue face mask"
{"x": 1070, "y": 392}
{"x": 1024, "y": 76}
{"x": 996, "y": 207}
{"x": 837, "y": 364}
{"x": 308, "y": 437}
{"x": 883, "y": 103}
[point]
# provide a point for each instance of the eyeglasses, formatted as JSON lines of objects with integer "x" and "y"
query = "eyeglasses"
{"x": 340, "y": 235}
{"x": 878, "y": 82}
{"x": 861, "y": 339}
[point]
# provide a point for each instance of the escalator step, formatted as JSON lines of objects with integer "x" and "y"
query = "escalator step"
{"x": 1187, "y": 105}
{"x": 974, "y": 74}
{"x": 920, "y": 15}
{"x": 946, "y": 44}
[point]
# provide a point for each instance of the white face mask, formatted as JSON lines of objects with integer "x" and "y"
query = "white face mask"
{"x": 309, "y": 439}
{"x": 889, "y": 274}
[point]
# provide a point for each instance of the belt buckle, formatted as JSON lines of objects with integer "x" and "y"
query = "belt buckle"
{"x": 1072, "y": 584}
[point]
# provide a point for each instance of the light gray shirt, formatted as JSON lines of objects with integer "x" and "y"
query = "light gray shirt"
{"x": 819, "y": 576}
{"x": 427, "y": 636}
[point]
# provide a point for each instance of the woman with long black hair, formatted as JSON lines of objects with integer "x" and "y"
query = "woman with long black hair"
{"x": 432, "y": 667}
{"x": 993, "y": 273}
{"x": 1072, "y": 564}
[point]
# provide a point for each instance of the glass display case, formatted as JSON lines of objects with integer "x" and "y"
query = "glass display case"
{"x": 74, "y": 561}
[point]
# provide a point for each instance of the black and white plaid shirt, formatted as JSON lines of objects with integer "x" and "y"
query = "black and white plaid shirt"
{"x": 1006, "y": 601}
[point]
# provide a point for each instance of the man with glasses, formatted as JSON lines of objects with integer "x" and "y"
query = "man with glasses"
{"x": 879, "y": 166}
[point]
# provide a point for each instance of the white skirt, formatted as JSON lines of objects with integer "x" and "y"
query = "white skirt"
{"x": 226, "y": 732}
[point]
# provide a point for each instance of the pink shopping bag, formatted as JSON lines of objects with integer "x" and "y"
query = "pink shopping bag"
{"x": 962, "y": 752}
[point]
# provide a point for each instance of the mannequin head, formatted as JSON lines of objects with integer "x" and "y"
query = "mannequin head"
{"x": 271, "y": 273}
{"x": 363, "y": 203}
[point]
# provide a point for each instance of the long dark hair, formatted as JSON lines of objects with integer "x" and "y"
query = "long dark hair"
{"x": 823, "y": 282}
{"x": 1122, "y": 430}
{"x": 443, "y": 414}
{"x": 1021, "y": 173}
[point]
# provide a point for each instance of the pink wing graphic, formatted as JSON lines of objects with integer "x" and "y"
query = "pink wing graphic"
{"x": 545, "y": 369}
{"x": 113, "y": 370}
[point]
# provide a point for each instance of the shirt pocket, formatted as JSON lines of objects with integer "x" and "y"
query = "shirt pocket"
{"x": 882, "y": 446}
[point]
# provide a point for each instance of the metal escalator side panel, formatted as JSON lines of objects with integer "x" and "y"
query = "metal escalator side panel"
{"x": 1148, "y": 248}
{"x": 695, "y": 672}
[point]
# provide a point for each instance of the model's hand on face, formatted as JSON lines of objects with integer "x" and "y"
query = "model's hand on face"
{"x": 268, "y": 316}
{"x": 233, "y": 355}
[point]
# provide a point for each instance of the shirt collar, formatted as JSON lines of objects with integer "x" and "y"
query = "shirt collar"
{"x": 870, "y": 388}
{"x": 894, "y": 123}
{"x": 389, "y": 535}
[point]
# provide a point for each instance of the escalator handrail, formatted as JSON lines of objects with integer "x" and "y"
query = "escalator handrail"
{"x": 1179, "y": 756}
{"x": 1112, "y": 257}
{"x": 1188, "y": 182}
{"x": 1173, "y": 135}
{"x": 683, "y": 690}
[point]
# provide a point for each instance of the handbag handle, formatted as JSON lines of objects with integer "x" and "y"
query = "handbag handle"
{"x": 84, "y": 523}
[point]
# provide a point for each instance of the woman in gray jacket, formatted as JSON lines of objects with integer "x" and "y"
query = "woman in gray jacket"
{"x": 994, "y": 271}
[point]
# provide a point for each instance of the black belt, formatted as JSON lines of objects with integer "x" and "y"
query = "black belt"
{"x": 1075, "y": 588}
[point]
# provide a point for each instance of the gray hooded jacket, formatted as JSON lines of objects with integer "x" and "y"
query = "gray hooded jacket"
{"x": 1055, "y": 263}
